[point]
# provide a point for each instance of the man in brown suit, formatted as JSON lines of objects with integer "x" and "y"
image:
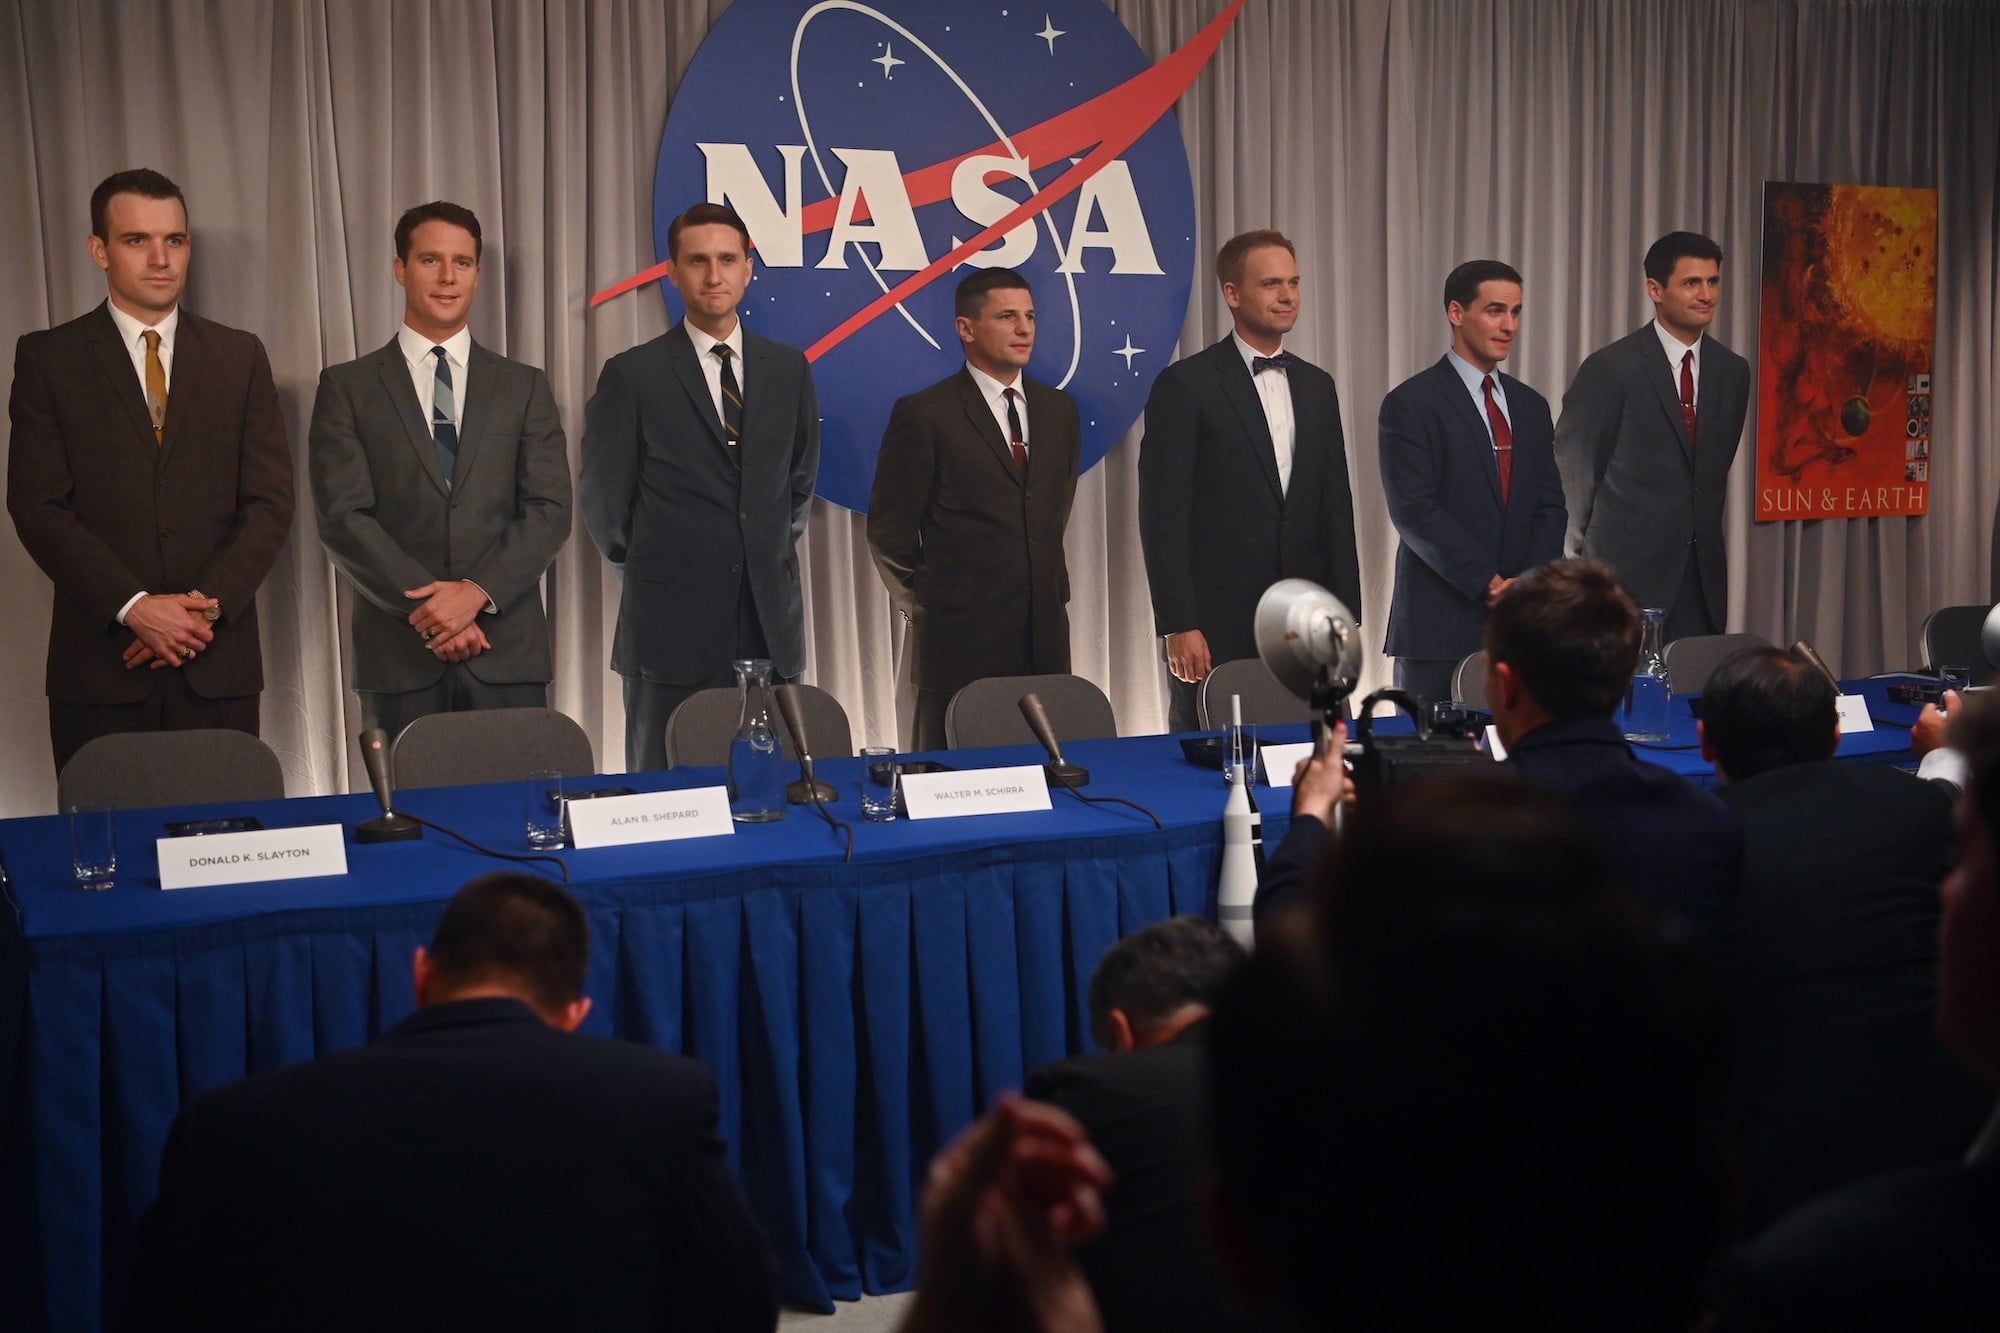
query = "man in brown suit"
{"x": 972, "y": 492}
{"x": 150, "y": 478}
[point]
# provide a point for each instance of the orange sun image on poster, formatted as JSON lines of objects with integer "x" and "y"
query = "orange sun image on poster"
{"x": 1844, "y": 351}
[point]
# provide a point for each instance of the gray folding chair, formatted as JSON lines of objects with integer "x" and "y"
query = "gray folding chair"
{"x": 1468, "y": 680}
{"x": 1690, "y": 661}
{"x": 988, "y": 712}
{"x": 1265, "y": 701}
{"x": 699, "y": 732}
{"x": 1950, "y": 637}
{"x": 489, "y": 745}
{"x": 135, "y": 770}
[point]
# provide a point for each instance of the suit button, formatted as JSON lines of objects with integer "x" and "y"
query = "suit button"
{"x": 166, "y": 532}
{"x": 742, "y": 517}
{"x": 736, "y": 569}
{"x": 454, "y": 504}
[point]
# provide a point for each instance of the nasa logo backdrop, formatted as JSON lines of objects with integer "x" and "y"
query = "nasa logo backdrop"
{"x": 879, "y": 152}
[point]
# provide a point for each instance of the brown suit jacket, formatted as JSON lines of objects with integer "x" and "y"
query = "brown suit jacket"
{"x": 971, "y": 551}
{"x": 107, "y": 512}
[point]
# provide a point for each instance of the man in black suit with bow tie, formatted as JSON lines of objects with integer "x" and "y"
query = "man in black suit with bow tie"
{"x": 1243, "y": 478}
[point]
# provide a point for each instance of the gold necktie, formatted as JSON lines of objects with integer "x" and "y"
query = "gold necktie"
{"x": 156, "y": 384}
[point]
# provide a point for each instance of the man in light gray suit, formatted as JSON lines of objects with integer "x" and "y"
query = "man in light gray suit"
{"x": 1649, "y": 428}
{"x": 700, "y": 449}
{"x": 441, "y": 483}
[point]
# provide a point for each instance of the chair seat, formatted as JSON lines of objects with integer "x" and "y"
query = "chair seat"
{"x": 988, "y": 712}
{"x": 139, "y": 769}
{"x": 490, "y": 745}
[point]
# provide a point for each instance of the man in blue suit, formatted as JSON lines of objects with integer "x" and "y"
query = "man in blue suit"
{"x": 700, "y": 449}
{"x": 1469, "y": 470}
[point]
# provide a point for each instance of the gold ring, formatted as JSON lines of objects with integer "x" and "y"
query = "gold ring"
{"x": 187, "y": 654}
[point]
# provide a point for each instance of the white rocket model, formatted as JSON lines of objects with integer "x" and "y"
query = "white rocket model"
{"x": 1236, "y": 891}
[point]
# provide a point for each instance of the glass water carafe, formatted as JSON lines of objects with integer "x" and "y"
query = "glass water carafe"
{"x": 756, "y": 764}
{"x": 1649, "y": 697}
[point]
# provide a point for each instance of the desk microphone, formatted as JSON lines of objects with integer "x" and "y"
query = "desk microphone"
{"x": 388, "y": 826}
{"x": 1060, "y": 771}
{"x": 1805, "y": 649}
{"x": 808, "y": 790}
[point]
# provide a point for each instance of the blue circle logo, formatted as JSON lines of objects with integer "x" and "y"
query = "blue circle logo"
{"x": 879, "y": 152}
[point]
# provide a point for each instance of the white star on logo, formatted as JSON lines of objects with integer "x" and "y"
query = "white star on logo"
{"x": 1128, "y": 351}
{"x": 1049, "y": 33}
{"x": 887, "y": 60}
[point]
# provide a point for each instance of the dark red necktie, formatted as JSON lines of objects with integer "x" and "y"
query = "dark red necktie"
{"x": 1503, "y": 439}
{"x": 1014, "y": 435}
{"x": 1687, "y": 393}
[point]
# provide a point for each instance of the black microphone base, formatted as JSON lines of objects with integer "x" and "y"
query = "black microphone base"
{"x": 807, "y": 791}
{"x": 1067, "y": 774}
{"x": 388, "y": 828}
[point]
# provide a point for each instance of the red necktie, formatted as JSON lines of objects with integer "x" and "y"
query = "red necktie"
{"x": 1687, "y": 394}
{"x": 1014, "y": 435}
{"x": 1503, "y": 439}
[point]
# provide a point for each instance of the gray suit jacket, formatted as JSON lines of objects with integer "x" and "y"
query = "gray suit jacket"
{"x": 664, "y": 505}
{"x": 1637, "y": 491}
{"x": 391, "y": 523}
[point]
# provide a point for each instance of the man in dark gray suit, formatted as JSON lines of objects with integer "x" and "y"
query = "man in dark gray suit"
{"x": 700, "y": 449}
{"x": 442, "y": 487}
{"x": 1470, "y": 477}
{"x": 1649, "y": 428}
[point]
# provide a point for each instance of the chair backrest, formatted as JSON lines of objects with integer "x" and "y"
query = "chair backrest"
{"x": 1691, "y": 660}
{"x": 703, "y": 724}
{"x": 1950, "y": 637}
{"x": 988, "y": 712}
{"x": 137, "y": 769}
{"x": 1265, "y": 701}
{"x": 489, "y": 745}
{"x": 1468, "y": 680}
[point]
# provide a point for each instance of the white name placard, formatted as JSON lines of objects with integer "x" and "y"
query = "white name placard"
{"x": 1280, "y": 761}
{"x": 650, "y": 816}
{"x": 1494, "y": 745}
{"x": 979, "y": 791}
{"x": 1854, "y": 717}
{"x": 247, "y": 858}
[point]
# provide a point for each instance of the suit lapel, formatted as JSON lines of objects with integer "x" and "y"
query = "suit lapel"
{"x": 1241, "y": 392}
{"x": 1044, "y": 439}
{"x": 980, "y": 413}
{"x": 681, "y": 357}
{"x": 121, "y": 381}
{"x": 1661, "y": 377}
{"x": 480, "y": 373}
{"x": 394, "y": 373}
{"x": 1472, "y": 428}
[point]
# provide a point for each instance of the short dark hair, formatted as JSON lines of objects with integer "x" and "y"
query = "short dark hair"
{"x": 437, "y": 210}
{"x": 1235, "y": 253}
{"x": 705, "y": 215}
{"x": 1494, "y": 1066}
{"x": 1766, "y": 708}
{"x": 1675, "y": 246}
{"x": 1570, "y": 631}
{"x": 1152, "y": 973}
{"x": 142, "y": 181}
{"x": 516, "y": 930}
{"x": 970, "y": 298}
{"x": 1463, "y": 283}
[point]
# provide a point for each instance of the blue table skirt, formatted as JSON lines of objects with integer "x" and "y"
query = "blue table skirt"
{"x": 855, "y": 1015}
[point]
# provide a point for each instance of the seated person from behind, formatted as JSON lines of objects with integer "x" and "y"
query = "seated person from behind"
{"x": 1828, "y": 956}
{"x": 1471, "y": 1090}
{"x": 1561, "y": 643}
{"x": 1141, "y": 1104}
{"x": 475, "y": 1166}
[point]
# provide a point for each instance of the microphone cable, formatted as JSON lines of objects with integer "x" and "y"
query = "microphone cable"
{"x": 1077, "y": 792}
{"x": 523, "y": 857}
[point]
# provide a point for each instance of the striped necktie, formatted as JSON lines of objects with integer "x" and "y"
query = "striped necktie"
{"x": 443, "y": 407}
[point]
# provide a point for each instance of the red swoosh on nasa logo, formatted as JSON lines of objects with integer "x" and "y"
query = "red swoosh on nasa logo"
{"x": 1113, "y": 121}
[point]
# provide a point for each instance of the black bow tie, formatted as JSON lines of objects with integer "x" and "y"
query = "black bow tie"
{"x": 1258, "y": 365}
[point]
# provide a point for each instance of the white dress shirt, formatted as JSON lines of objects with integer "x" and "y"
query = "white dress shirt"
{"x": 1274, "y": 390}
{"x": 711, "y": 364}
{"x": 996, "y": 400}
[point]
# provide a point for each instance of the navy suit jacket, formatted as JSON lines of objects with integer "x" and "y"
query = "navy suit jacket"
{"x": 472, "y": 1167}
{"x": 1443, "y": 489}
{"x": 1216, "y": 529}
{"x": 666, "y": 508}
{"x": 1677, "y": 849}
